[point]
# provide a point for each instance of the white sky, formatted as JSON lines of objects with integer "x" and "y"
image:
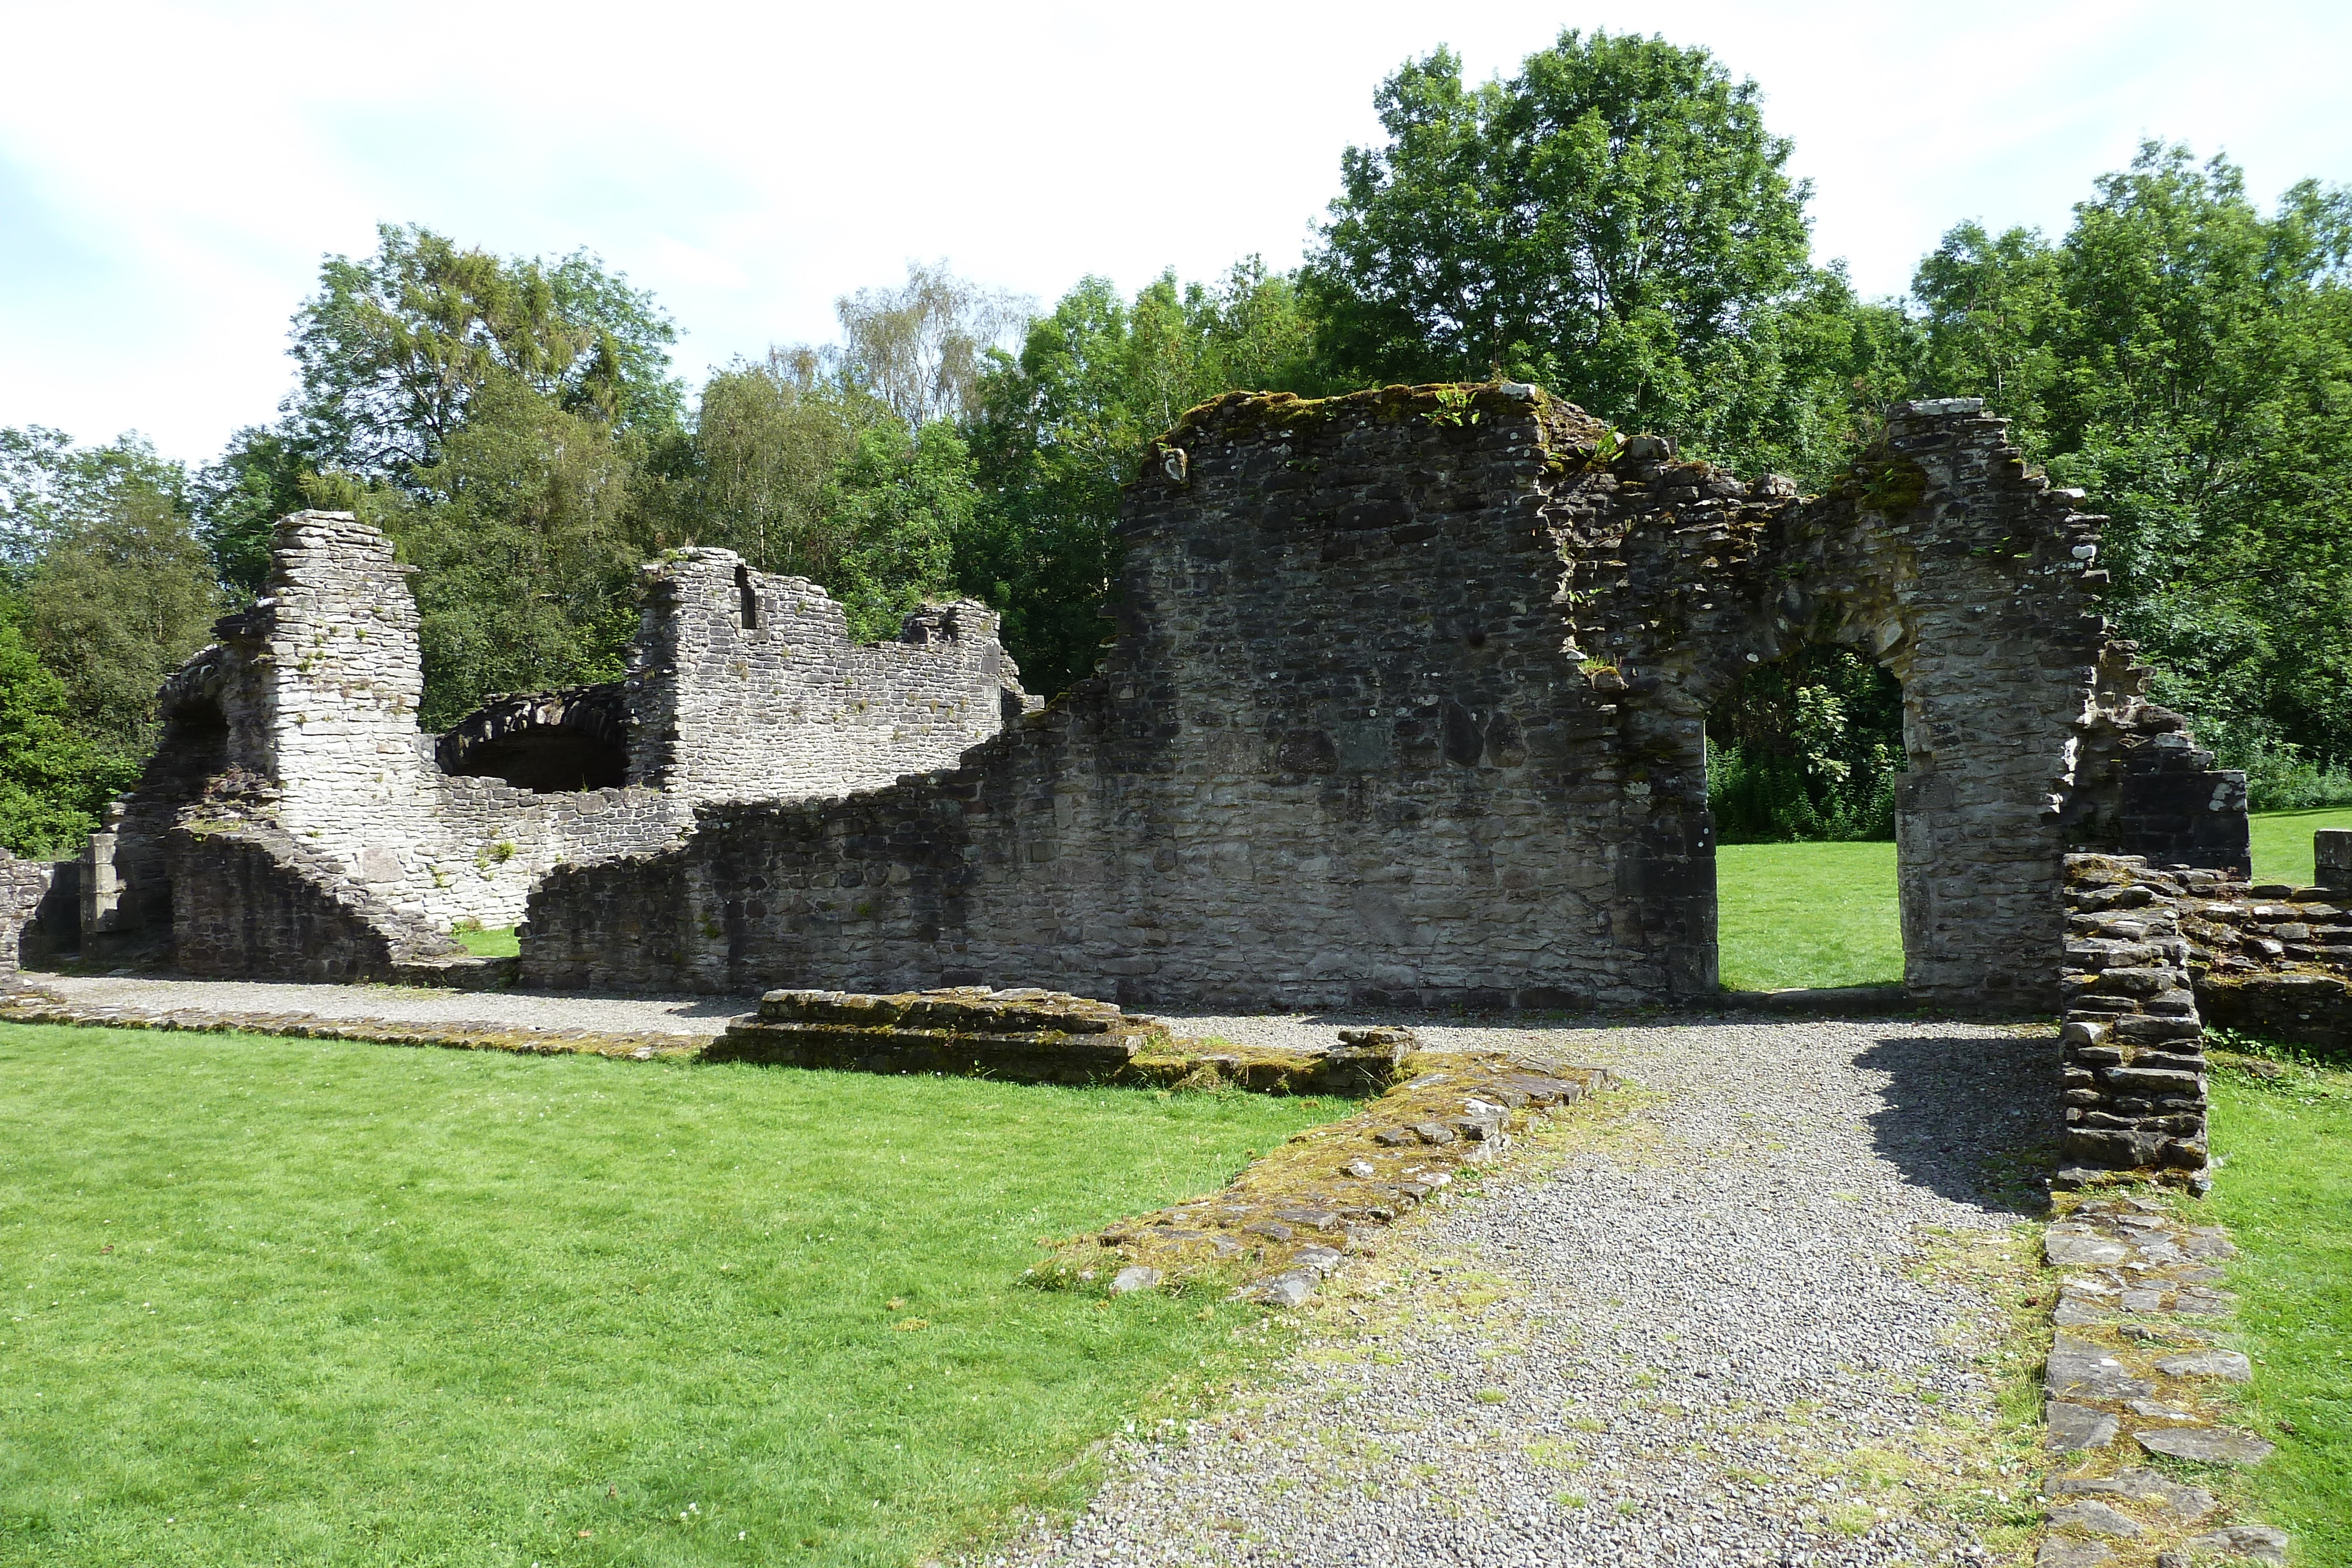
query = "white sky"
{"x": 171, "y": 174}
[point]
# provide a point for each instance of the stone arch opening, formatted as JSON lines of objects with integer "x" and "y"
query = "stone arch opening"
{"x": 554, "y": 743}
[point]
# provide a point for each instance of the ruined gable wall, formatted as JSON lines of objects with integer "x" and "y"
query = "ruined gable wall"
{"x": 1340, "y": 753}
{"x": 789, "y": 707}
{"x": 302, "y": 721}
{"x": 1971, "y": 580}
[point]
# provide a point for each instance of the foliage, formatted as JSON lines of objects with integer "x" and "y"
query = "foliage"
{"x": 1806, "y": 748}
{"x": 756, "y": 474}
{"x": 2188, "y": 362}
{"x": 330, "y": 1304}
{"x": 395, "y": 346}
{"x": 115, "y": 590}
{"x": 522, "y": 534}
{"x": 1062, "y": 428}
{"x": 238, "y": 497}
{"x": 1614, "y": 222}
{"x": 898, "y": 503}
{"x": 920, "y": 348}
{"x": 53, "y": 785}
{"x": 50, "y": 488}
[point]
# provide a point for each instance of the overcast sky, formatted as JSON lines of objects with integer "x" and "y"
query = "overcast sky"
{"x": 171, "y": 174}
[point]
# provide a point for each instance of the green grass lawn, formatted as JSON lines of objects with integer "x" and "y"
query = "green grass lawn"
{"x": 292, "y": 1301}
{"x": 2284, "y": 1188}
{"x": 1807, "y": 915}
{"x": 499, "y": 943}
{"x": 2281, "y": 841}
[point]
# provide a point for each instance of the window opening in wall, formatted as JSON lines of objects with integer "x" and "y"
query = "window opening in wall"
{"x": 1802, "y": 758}
{"x": 750, "y": 596}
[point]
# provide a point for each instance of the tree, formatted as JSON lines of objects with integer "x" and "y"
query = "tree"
{"x": 522, "y": 532}
{"x": 1613, "y": 222}
{"x": 52, "y": 786}
{"x": 1060, "y": 430}
{"x": 394, "y": 347}
{"x": 758, "y": 475}
{"x": 899, "y": 502}
{"x": 920, "y": 348}
{"x": 2188, "y": 361}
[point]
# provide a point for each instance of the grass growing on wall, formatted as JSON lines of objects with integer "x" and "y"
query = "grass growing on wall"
{"x": 1807, "y": 915}
{"x": 2283, "y": 1186}
{"x": 275, "y": 1301}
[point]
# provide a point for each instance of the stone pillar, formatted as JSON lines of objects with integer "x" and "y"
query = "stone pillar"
{"x": 101, "y": 884}
{"x": 2132, "y": 1045}
{"x": 2331, "y": 851}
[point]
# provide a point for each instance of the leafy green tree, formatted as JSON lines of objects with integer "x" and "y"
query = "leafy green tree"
{"x": 522, "y": 532}
{"x": 1614, "y": 222}
{"x": 920, "y": 348}
{"x": 52, "y": 783}
{"x": 758, "y": 475}
{"x": 238, "y": 497}
{"x": 1060, "y": 430}
{"x": 50, "y": 487}
{"x": 897, "y": 502}
{"x": 2188, "y": 361}
{"x": 395, "y": 346}
{"x": 118, "y": 601}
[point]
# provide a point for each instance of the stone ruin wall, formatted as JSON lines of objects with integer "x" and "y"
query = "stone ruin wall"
{"x": 295, "y": 821}
{"x": 1406, "y": 709}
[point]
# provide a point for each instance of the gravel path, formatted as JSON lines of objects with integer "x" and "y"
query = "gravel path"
{"x": 1692, "y": 1343}
{"x": 406, "y": 1004}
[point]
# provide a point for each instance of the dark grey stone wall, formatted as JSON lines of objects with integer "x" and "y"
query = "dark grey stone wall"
{"x": 2132, "y": 1043}
{"x": 1407, "y": 709}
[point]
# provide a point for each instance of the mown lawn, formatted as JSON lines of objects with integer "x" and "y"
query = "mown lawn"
{"x": 498, "y": 942}
{"x": 1807, "y": 915}
{"x": 287, "y": 1301}
{"x": 2284, "y": 1188}
{"x": 2282, "y": 842}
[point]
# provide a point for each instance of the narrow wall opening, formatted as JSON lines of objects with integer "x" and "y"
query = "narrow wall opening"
{"x": 1804, "y": 754}
{"x": 747, "y": 596}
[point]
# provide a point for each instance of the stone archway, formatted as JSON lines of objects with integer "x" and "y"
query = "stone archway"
{"x": 1945, "y": 560}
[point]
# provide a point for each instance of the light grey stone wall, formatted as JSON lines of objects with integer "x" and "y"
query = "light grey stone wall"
{"x": 787, "y": 707}
{"x": 302, "y": 720}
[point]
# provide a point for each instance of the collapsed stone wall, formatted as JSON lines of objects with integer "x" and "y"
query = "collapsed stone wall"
{"x": 2275, "y": 960}
{"x": 1406, "y": 709}
{"x": 2132, "y": 1044}
{"x": 299, "y": 726}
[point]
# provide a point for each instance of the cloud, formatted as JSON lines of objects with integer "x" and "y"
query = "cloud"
{"x": 169, "y": 175}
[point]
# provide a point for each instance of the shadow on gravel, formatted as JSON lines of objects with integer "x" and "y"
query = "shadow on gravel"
{"x": 1973, "y": 1118}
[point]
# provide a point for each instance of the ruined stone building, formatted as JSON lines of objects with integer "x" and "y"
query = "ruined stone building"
{"x": 1405, "y": 708}
{"x": 296, "y": 822}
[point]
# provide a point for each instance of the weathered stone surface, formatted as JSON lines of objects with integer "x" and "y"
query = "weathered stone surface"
{"x": 1135, "y": 1277}
{"x": 2070, "y": 1248}
{"x": 2207, "y": 1445}
{"x": 2084, "y": 1369}
{"x": 2227, "y": 1366}
{"x": 2097, "y": 1517}
{"x": 2262, "y": 1543}
{"x": 2075, "y": 1426}
{"x": 2179, "y": 1504}
{"x": 2058, "y": 1552}
{"x": 294, "y": 823}
{"x": 1405, "y": 710}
